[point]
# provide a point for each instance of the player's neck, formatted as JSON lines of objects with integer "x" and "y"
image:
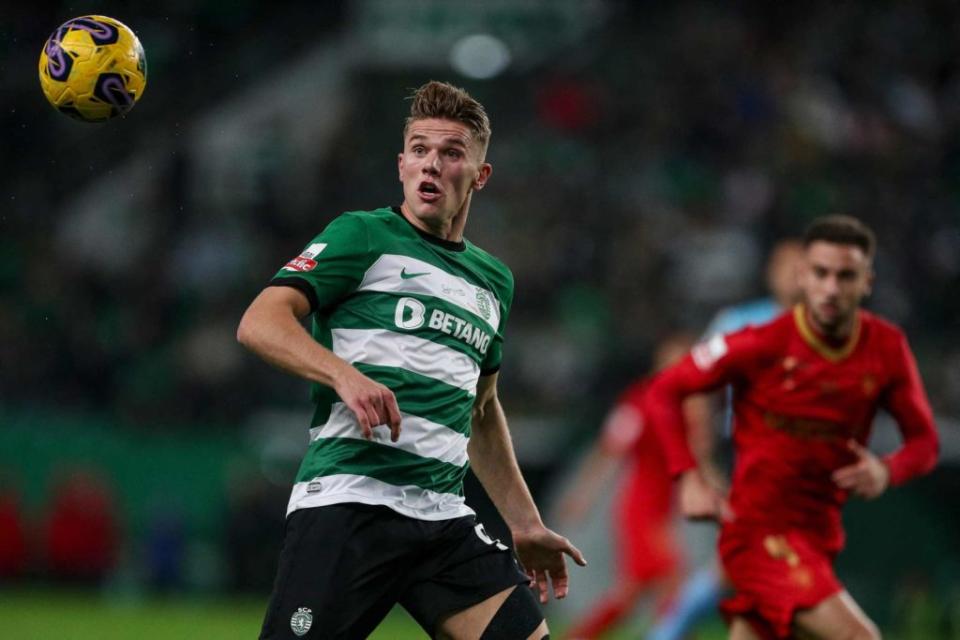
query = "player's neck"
{"x": 459, "y": 222}
{"x": 834, "y": 336}
{"x": 449, "y": 230}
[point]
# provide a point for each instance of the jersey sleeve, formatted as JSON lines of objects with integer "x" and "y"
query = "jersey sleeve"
{"x": 712, "y": 363}
{"x": 332, "y": 264}
{"x": 907, "y": 402}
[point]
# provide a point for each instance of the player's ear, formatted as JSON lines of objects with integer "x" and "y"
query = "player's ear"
{"x": 871, "y": 274}
{"x": 400, "y": 166}
{"x": 483, "y": 174}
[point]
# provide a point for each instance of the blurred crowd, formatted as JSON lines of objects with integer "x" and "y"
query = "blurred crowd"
{"x": 639, "y": 181}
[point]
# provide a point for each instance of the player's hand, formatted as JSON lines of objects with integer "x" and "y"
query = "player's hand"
{"x": 541, "y": 553}
{"x": 701, "y": 500}
{"x": 372, "y": 403}
{"x": 868, "y": 477}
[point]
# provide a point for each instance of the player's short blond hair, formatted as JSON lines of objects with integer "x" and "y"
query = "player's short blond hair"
{"x": 444, "y": 101}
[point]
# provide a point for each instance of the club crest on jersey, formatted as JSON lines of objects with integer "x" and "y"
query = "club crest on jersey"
{"x": 301, "y": 621}
{"x": 707, "y": 353}
{"x": 484, "y": 306}
{"x": 305, "y": 261}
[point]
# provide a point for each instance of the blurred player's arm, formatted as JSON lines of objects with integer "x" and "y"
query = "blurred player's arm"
{"x": 907, "y": 402}
{"x": 621, "y": 430}
{"x": 709, "y": 365}
{"x": 271, "y": 328}
{"x": 495, "y": 464}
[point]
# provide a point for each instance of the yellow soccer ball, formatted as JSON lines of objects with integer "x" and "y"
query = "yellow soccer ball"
{"x": 93, "y": 68}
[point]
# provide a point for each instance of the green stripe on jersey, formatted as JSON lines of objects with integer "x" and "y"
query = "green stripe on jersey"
{"x": 425, "y": 397}
{"x": 416, "y": 395}
{"x": 331, "y": 456}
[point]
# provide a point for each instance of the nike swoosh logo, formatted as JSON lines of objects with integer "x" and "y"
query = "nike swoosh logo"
{"x": 407, "y": 276}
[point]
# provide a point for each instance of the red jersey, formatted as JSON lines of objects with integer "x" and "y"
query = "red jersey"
{"x": 797, "y": 401}
{"x": 647, "y": 486}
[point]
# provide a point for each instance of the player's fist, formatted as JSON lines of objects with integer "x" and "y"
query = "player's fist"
{"x": 867, "y": 477}
{"x": 372, "y": 403}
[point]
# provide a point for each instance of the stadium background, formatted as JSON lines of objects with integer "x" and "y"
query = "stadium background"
{"x": 645, "y": 157}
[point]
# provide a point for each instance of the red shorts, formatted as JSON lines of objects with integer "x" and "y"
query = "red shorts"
{"x": 774, "y": 574}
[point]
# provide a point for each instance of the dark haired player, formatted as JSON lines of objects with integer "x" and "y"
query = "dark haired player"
{"x": 806, "y": 389}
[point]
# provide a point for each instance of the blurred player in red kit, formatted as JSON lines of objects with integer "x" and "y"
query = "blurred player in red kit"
{"x": 806, "y": 389}
{"x": 648, "y": 558}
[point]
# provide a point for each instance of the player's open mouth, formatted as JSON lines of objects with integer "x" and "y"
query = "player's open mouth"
{"x": 429, "y": 192}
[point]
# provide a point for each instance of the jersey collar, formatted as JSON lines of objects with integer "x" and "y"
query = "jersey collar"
{"x": 818, "y": 344}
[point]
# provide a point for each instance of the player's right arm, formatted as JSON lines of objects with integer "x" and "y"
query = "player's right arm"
{"x": 710, "y": 364}
{"x": 320, "y": 278}
{"x": 271, "y": 328}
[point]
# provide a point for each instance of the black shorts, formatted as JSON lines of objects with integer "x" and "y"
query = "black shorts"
{"x": 343, "y": 567}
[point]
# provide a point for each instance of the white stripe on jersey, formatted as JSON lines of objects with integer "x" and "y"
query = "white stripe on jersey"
{"x": 417, "y": 435}
{"x": 409, "y": 500}
{"x": 392, "y": 349}
{"x": 427, "y": 279}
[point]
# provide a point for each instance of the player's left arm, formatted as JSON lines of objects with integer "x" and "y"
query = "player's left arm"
{"x": 869, "y": 476}
{"x": 495, "y": 464}
{"x": 907, "y": 402}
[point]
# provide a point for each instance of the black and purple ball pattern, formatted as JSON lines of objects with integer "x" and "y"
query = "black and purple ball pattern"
{"x": 93, "y": 68}
{"x": 59, "y": 62}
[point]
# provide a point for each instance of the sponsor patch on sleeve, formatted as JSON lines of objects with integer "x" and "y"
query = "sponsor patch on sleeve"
{"x": 707, "y": 353}
{"x": 305, "y": 261}
{"x": 313, "y": 250}
{"x": 300, "y": 264}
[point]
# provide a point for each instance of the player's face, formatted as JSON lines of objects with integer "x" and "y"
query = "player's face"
{"x": 835, "y": 279}
{"x": 441, "y": 165}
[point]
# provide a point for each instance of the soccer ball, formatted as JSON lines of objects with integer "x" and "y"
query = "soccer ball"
{"x": 93, "y": 68}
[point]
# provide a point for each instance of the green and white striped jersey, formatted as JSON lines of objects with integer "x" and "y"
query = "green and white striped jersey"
{"x": 424, "y": 317}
